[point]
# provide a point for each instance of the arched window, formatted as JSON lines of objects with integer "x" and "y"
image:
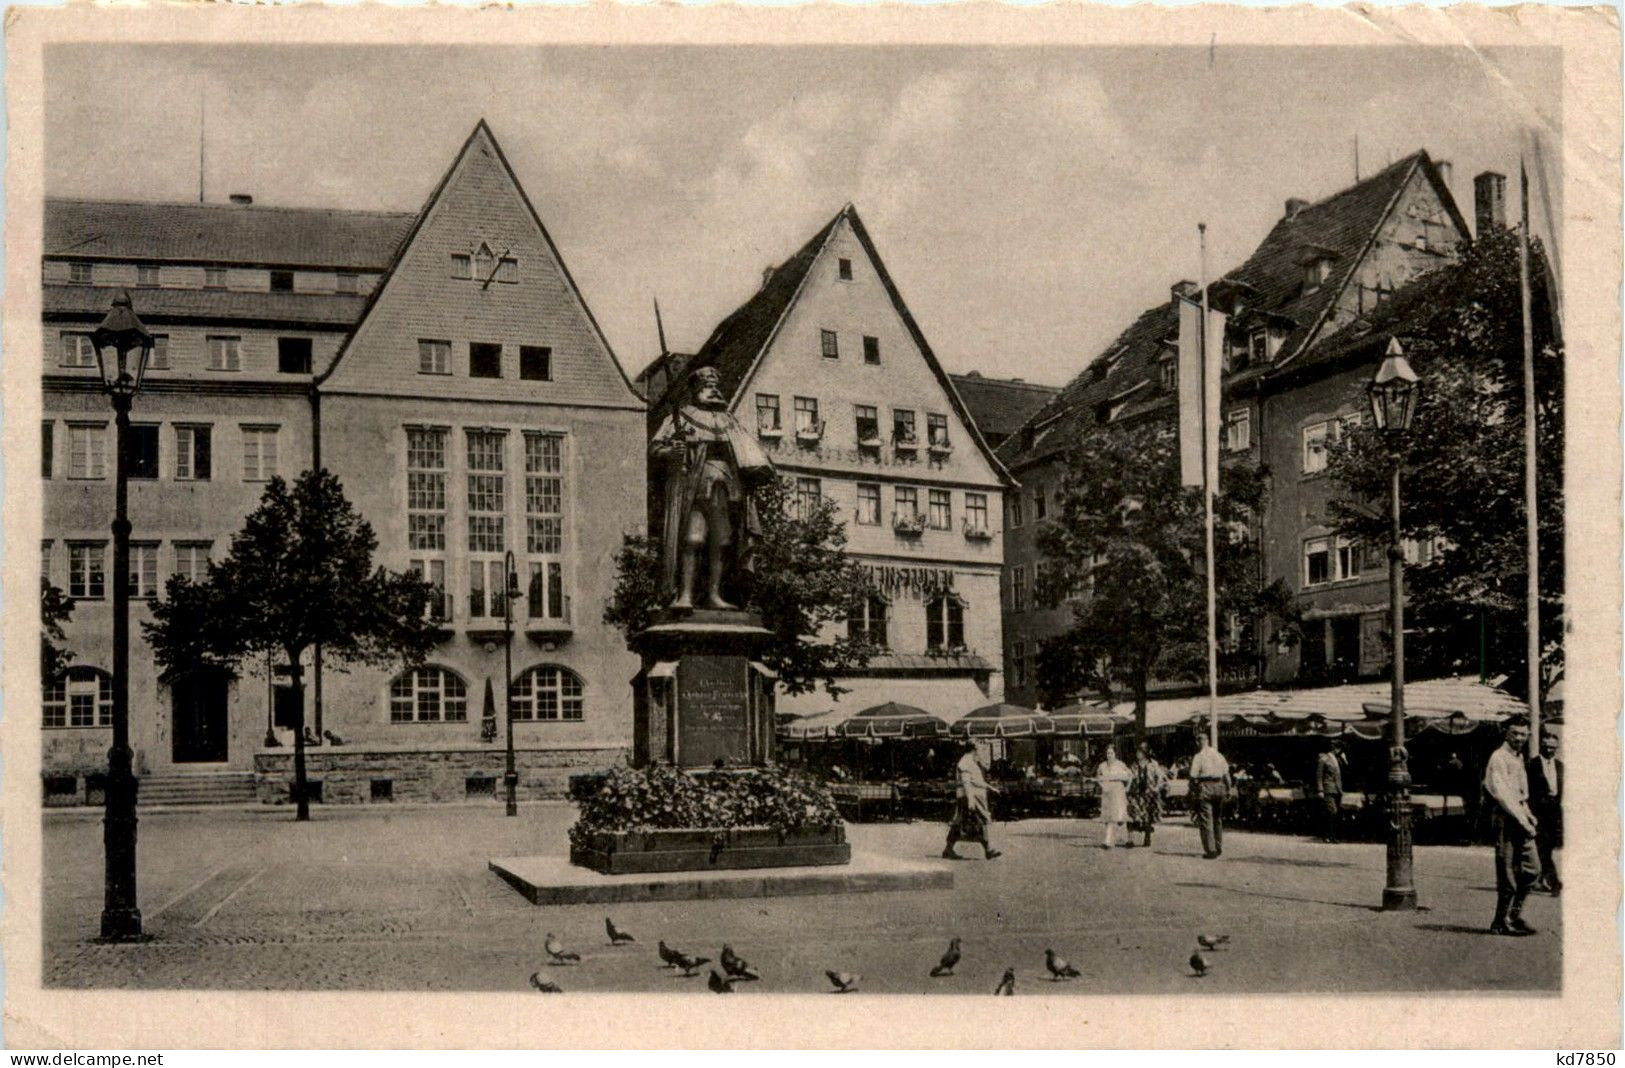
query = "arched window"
{"x": 428, "y": 695}
{"x": 80, "y": 697}
{"x": 867, "y": 620}
{"x": 547, "y": 692}
{"x": 945, "y": 623}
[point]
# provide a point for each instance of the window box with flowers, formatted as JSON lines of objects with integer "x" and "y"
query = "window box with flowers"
{"x": 977, "y": 531}
{"x": 911, "y": 524}
{"x": 663, "y": 819}
{"x": 809, "y": 433}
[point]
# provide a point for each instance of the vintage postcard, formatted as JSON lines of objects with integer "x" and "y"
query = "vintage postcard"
{"x": 865, "y": 511}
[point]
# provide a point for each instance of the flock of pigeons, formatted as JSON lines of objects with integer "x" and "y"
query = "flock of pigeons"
{"x": 735, "y": 969}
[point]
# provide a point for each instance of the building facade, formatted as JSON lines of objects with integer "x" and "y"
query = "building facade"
{"x": 444, "y": 366}
{"x": 1321, "y": 267}
{"x": 830, "y": 367}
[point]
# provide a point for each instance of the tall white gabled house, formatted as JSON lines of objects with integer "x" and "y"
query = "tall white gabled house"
{"x": 829, "y": 365}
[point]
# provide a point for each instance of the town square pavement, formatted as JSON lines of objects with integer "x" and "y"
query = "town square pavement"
{"x": 400, "y": 898}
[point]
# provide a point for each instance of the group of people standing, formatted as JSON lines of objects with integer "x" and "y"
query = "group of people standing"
{"x": 1527, "y": 793}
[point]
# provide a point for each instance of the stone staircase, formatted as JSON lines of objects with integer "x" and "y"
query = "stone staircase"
{"x": 197, "y": 788}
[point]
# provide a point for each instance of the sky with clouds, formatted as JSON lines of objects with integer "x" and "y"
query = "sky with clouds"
{"x": 1029, "y": 202}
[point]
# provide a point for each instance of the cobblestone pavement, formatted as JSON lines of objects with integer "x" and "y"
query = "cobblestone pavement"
{"x": 401, "y": 899}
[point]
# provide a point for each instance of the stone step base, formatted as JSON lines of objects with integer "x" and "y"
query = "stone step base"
{"x": 207, "y": 788}
{"x": 553, "y": 880}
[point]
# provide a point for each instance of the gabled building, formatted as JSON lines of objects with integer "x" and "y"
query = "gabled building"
{"x": 445, "y": 367}
{"x": 828, "y": 364}
{"x": 1321, "y": 267}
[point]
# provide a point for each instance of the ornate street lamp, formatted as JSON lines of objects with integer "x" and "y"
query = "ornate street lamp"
{"x": 510, "y": 776}
{"x": 1393, "y": 404}
{"x": 123, "y": 347}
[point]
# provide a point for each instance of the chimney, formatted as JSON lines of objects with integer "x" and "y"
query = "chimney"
{"x": 767, "y": 274}
{"x": 1490, "y": 200}
{"x": 242, "y": 199}
{"x": 1295, "y": 205}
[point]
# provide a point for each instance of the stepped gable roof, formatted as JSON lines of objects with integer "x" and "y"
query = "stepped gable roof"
{"x": 338, "y": 311}
{"x": 223, "y": 234}
{"x": 1001, "y": 405}
{"x": 1271, "y": 280}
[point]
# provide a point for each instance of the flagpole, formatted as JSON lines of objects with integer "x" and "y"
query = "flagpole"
{"x": 1207, "y": 507}
{"x": 1531, "y": 519}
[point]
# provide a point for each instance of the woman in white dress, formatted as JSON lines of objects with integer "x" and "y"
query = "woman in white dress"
{"x": 1114, "y": 778}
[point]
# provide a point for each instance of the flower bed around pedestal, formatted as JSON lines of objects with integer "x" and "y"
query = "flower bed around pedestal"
{"x": 662, "y": 819}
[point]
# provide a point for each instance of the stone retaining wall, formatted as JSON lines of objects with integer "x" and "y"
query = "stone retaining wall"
{"x": 353, "y": 775}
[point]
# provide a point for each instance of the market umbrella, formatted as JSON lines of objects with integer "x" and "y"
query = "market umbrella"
{"x": 1084, "y": 718}
{"x": 1002, "y": 721}
{"x": 810, "y": 727}
{"x": 892, "y": 720}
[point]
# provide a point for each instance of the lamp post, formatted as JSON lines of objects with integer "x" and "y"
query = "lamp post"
{"x": 121, "y": 335}
{"x": 510, "y": 594}
{"x": 1393, "y": 404}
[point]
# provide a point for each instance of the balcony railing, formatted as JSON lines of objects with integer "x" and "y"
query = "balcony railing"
{"x": 810, "y": 431}
{"x": 909, "y": 523}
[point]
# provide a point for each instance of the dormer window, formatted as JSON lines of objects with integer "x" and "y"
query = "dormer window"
{"x": 1258, "y": 350}
{"x": 1315, "y": 272}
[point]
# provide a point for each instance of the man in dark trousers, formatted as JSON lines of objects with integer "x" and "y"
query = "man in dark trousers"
{"x": 1546, "y": 802}
{"x": 1329, "y": 776}
{"x": 1210, "y": 786}
{"x": 1506, "y": 781}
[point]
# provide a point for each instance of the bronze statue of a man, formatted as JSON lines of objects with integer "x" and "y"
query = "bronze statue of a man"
{"x": 711, "y": 462}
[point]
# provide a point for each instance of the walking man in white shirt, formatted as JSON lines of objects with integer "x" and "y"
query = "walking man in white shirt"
{"x": 1210, "y": 785}
{"x": 1516, "y": 864}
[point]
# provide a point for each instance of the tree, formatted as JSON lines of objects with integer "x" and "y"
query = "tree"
{"x": 803, "y": 582}
{"x": 54, "y": 609}
{"x": 1126, "y": 551}
{"x": 299, "y": 574}
{"x": 1463, "y": 474}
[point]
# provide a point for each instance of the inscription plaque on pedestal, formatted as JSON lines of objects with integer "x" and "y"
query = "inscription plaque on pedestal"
{"x": 713, "y": 710}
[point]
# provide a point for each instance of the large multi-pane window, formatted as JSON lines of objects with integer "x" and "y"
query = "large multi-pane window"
{"x": 1238, "y": 430}
{"x": 548, "y": 692}
{"x": 806, "y": 414}
{"x": 225, "y": 353}
{"x": 434, "y": 573}
{"x": 426, "y": 488}
{"x": 902, "y": 426}
{"x": 259, "y": 453}
{"x": 428, "y": 695}
{"x": 192, "y": 559}
{"x": 866, "y": 621}
{"x": 194, "y": 453}
{"x": 945, "y": 623}
{"x": 77, "y": 351}
{"x": 87, "y": 450}
{"x": 767, "y": 411}
{"x": 159, "y": 360}
{"x": 907, "y": 501}
{"x": 87, "y": 574}
{"x": 1018, "y": 664}
{"x": 808, "y": 492}
{"x": 487, "y": 484}
{"x": 434, "y": 357}
{"x": 830, "y": 344}
{"x": 936, "y": 430}
{"x": 976, "y": 512}
{"x": 869, "y": 504}
{"x": 143, "y": 569}
{"x": 80, "y": 697}
{"x": 1018, "y": 589}
{"x": 141, "y": 451}
{"x": 487, "y": 584}
{"x": 544, "y": 524}
{"x": 868, "y": 422}
{"x": 940, "y": 502}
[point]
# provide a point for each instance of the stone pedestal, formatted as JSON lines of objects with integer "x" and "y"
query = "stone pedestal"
{"x": 702, "y": 695}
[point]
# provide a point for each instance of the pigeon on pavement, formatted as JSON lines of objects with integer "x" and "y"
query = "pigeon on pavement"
{"x": 1007, "y": 985}
{"x": 543, "y": 985}
{"x": 690, "y": 965}
{"x": 556, "y": 950}
{"x": 844, "y": 982}
{"x": 718, "y": 984}
{"x": 667, "y": 955}
{"x": 735, "y": 965}
{"x": 617, "y": 937}
{"x": 1198, "y": 964}
{"x": 1058, "y": 966}
{"x": 1207, "y": 941}
{"x": 949, "y": 959}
